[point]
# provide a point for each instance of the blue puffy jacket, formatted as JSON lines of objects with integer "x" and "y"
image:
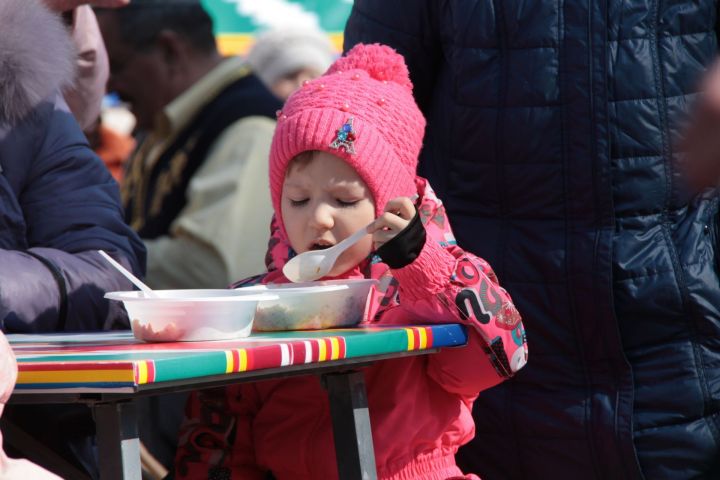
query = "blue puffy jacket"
{"x": 58, "y": 205}
{"x": 551, "y": 135}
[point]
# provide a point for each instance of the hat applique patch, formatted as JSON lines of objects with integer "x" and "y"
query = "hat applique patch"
{"x": 345, "y": 137}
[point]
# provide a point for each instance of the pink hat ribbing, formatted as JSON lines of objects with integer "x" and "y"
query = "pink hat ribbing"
{"x": 371, "y": 85}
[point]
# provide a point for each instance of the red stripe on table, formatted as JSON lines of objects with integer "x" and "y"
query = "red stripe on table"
{"x": 429, "y": 335}
{"x": 343, "y": 347}
{"x": 150, "y": 371}
{"x": 33, "y": 367}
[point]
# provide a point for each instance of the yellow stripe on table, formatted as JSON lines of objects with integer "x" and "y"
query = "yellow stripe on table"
{"x": 423, "y": 338}
{"x": 410, "y": 339}
{"x": 76, "y": 376}
{"x": 242, "y": 362}
{"x": 322, "y": 350}
{"x": 417, "y": 338}
{"x": 334, "y": 348}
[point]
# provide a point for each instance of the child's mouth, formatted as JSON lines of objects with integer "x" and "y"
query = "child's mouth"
{"x": 320, "y": 246}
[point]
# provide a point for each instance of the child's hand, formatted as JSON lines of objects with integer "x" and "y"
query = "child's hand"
{"x": 397, "y": 215}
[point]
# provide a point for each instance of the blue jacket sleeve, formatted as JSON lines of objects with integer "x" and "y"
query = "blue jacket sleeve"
{"x": 67, "y": 206}
{"x": 408, "y": 26}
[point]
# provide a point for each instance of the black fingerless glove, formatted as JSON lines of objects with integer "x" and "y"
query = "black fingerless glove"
{"x": 405, "y": 247}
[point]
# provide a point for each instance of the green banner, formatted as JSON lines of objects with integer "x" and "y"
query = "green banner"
{"x": 249, "y": 16}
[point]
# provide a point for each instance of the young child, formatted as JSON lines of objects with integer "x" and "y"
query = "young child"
{"x": 344, "y": 155}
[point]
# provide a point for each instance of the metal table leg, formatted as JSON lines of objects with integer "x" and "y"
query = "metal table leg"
{"x": 351, "y": 425}
{"x": 118, "y": 441}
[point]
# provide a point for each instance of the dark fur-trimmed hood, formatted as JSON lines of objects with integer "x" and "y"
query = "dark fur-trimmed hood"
{"x": 36, "y": 57}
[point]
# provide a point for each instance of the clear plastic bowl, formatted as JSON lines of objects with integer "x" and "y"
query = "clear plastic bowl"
{"x": 190, "y": 315}
{"x": 311, "y": 305}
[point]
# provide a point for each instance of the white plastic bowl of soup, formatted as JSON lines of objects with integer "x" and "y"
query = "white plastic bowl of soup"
{"x": 190, "y": 315}
{"x": 311, "y": 305}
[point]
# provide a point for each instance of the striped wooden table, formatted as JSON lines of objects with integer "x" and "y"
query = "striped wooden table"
{"x": 108, "y": 369}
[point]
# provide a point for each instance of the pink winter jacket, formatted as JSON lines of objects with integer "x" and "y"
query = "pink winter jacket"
{"x": 420, "y": 407}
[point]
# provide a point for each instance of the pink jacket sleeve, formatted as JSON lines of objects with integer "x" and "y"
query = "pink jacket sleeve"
{"x": 446, "y": 284}
{"x": 215, "y": 440}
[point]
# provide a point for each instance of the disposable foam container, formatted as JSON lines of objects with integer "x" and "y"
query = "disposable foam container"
{"x": 311, "y": 305}
{"x": 190, "y": 315}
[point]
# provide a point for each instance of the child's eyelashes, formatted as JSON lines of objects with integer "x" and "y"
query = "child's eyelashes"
{"x": 346, "y": 203}
{"x": 340, "y": 203}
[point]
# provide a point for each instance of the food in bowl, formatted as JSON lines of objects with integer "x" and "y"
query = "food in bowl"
{"x": 190, "y": 315}
{"x": 166, "y": 333}
{"x": 312, "y": 305}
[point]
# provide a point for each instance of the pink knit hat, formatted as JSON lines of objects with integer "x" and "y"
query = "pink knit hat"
{"x": 363, "y": 111}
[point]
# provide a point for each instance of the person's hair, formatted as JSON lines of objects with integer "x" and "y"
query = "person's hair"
{"x": 141, "y": 21}
{"x": 301, "y": 160}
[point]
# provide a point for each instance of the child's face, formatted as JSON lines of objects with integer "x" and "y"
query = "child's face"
{"x": 283, "y": 87}
{"x": 323, "y": 202}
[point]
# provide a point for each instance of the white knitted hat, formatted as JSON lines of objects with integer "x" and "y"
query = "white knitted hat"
{"x": 277, "y": 53}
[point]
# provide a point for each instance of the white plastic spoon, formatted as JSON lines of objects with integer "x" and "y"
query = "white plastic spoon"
{"x": 136, "y": 281}
{"x": 314, "y": 264}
